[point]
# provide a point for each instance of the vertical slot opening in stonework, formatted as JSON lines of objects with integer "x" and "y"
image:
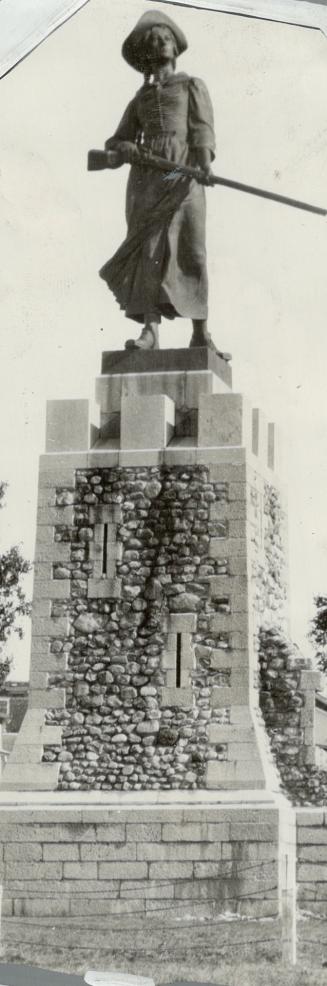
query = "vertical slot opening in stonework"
{"x": 178, "y": 660}
{"x": 104, "y": 549}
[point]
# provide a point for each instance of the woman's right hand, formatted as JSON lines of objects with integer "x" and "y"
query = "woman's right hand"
{"x": 129, "y": 152}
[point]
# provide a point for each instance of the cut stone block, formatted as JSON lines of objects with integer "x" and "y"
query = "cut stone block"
{"x": 166, "y": 361}
{"x": 104, "y": 588}
{"x": 25, "y": 777}
{"x": 147, "y": 422}
{"x": 68, "y": 426}
{"x": 178, "y": 697}
{"x": 224, "y": 420}
{"x": 260, "y": 435}
{"x": 226, "y": 774}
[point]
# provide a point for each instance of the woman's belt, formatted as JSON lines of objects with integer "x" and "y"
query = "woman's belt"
{"x": 182, "y": 135}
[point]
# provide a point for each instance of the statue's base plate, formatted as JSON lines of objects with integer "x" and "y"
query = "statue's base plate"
{"x": 166, "y": 361}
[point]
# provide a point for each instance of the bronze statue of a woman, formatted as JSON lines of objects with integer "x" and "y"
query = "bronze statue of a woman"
{"x": 160, "y": 268}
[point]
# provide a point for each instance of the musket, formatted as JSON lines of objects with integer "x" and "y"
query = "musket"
{"x": 97, "y": 160}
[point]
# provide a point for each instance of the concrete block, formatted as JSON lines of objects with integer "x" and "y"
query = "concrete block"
{"x": 143, "y": 832}
{"x": 312, "y": 836}
{"x": 110, "y": 833}
{"x": 220, "y": 547}
{"x": 243, "y": 750}
{"x": 54, "y": 589}
{"x": 54, "y": 698}
{"x": 308, "y": 819}
{"x": 260, "y": 435}
{"x": 272, "y": 459}
{"x": 59, "y": 469}
{"x": 195, "y": 832}
{"x": 90, "y": 907}
{"x": 123, "y": 871}
{"x": 313, "y": 872}
{"x": 38, "y": 679}
{"x": 104, "y": 588}
{"x": 56, "y": 663}
{"x": 147, "y": 422}
{"x": 57, "y": 832}
{"x": 51, "y": 516}
{"x": 25, "y": 753}
{"x": 39, "y": 907}
{"x": 240, "y": 715}
{"x": 142, "y": 457}
{"x": 33, "y": 871}
{"x": 311, "y": 680}
{"x": 181, "y": 698}
{"x": 205, "y": 871}
{"x": 224, "y": 420}
{"x": 182, "y": 623}
{"x": 80, "y": 871}
{"x": 312, "y": 854}
{"x": 179, "y": 456}
{"x": 106, "y": 513}
{"x": 149, "y": 890}
{"x": 7, "y": 908}
{"x": 229, "y": 734}
{"x": 254, "y": 831}
{"x": 225, "y": 622}
{"x": 68, "y": 426}
{"x": 231, "y": 660}
{"x": 60, "y": 552}
{"x": 53, "y": 626}
{"x": 41, "y": 610}
{"x": 44, "y": 538}
{"x": 221, "y": 698}
{"x": 168, "y": 852}
{"x": 25, "y": 777}
{"x": 239, "y": 565}
{"x": 171, "y": 871}
{"x": 108, "y": 852}
{"x": 225, "y": 773}
{"x": 60, "y": 852}
{"x": 25, "y": 852}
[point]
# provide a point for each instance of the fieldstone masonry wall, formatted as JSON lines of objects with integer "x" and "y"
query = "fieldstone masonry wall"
{"x": 154, "y": 568}
{"x": 159, "y": 551}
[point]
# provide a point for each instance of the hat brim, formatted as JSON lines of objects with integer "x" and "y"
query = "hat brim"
{"x": 132, "y": 47}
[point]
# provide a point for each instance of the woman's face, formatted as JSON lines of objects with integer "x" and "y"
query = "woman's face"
{"x": 160, "y": 45}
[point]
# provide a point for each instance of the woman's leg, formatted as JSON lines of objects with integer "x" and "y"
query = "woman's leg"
{"x": 149, "y": 338}
{"x": 201, "y": 337}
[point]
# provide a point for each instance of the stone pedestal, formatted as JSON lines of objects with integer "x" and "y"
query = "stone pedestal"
{"x": 160, "y": 551}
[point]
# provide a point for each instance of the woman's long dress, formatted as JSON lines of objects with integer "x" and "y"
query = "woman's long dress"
{"x": 161, "y": 265}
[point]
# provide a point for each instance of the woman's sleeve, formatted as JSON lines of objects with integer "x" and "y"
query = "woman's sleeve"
{"x": 200, "y": 118}
{"x": 127, "y": 129}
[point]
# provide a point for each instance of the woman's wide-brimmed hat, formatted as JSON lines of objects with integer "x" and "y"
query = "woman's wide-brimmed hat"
{"x": 132, "y": 49}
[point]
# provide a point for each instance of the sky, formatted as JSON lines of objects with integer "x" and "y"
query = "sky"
{"x": 268, "y": 286}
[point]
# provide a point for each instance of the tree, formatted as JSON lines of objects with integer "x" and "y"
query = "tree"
{"x": 318, "y": 632}
{"x": 13, "y": 604}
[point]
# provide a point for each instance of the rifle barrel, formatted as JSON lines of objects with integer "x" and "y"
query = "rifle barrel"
{"x": 162, "y": 165}
{"x": 273, "y": 196}
{"x": 111, "y": 159}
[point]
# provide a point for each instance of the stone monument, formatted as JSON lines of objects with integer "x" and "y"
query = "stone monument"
{"x": 161, "y": 535}
{"x": 142, "y": 777}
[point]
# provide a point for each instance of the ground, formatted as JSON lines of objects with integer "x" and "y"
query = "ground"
{"x": 185, "y": 953}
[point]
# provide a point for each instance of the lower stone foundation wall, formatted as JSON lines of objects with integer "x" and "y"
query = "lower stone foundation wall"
{"x": 111, "y": 861}
{"x": 312, "y": 860}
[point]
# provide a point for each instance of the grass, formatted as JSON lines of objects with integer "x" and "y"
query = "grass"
{"x": 184, "y": 956}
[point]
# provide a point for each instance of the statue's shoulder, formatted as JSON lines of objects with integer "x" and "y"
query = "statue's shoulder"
{"x": 196, "y": 83}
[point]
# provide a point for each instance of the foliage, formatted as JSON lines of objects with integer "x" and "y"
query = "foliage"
{"x": 13, "y": 603}
{"x": 318, "y": 633}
